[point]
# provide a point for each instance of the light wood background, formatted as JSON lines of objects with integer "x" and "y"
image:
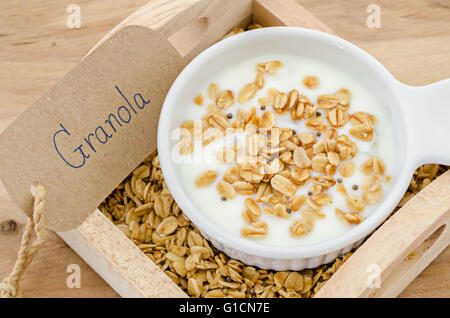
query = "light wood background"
{"x": 36, "y": 49}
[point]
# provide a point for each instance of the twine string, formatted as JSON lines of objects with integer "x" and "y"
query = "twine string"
{"x": 10, "y": 286}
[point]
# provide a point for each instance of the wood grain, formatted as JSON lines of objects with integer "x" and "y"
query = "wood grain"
{"x": 36, "y": 49}
{"x": 400, "y": 249}
{"x": 286, "y": 12}
{"x": 119, "y": 261}
{"x": 178, "y": 21}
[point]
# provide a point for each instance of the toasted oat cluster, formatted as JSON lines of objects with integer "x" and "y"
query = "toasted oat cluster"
{"x": 276, "y": 161}
{"x": 142, "y": 202}
{"x": 144, "y": 210}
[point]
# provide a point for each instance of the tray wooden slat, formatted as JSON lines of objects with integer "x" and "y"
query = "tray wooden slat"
{"x": 168, "y": 18}
{"x": 420, "y": 229}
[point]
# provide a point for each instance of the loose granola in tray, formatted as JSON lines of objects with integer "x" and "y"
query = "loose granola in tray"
{"x": 142, "y": 207}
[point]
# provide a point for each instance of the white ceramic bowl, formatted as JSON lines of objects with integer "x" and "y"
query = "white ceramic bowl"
{"x": 421, "y": 116}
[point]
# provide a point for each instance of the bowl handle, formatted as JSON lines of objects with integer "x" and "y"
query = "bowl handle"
{"x": 427, "y": 109}
{"x": 399, "y": 250}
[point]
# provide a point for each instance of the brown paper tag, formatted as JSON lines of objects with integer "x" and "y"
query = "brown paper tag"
{"x": 89, "y": 131}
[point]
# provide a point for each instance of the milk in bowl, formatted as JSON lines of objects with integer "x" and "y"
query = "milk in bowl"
{"x": 284, "y": 150}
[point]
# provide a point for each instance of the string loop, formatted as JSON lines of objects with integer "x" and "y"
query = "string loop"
{"x": 10, "y": 286}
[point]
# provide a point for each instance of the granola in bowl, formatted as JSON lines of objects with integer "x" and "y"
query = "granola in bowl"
{"x": 272, "y": 153}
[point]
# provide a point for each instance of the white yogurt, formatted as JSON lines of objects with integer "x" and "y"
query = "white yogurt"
{"x": 228, "y": 214}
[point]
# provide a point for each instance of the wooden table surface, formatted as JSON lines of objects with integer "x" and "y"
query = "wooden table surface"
{"x": 37, "y": 48}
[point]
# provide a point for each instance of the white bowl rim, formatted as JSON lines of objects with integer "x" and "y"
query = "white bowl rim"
{"x": 253, "y": 247}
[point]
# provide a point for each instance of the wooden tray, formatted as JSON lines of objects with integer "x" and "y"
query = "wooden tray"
{"x": 419, "y": 227}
